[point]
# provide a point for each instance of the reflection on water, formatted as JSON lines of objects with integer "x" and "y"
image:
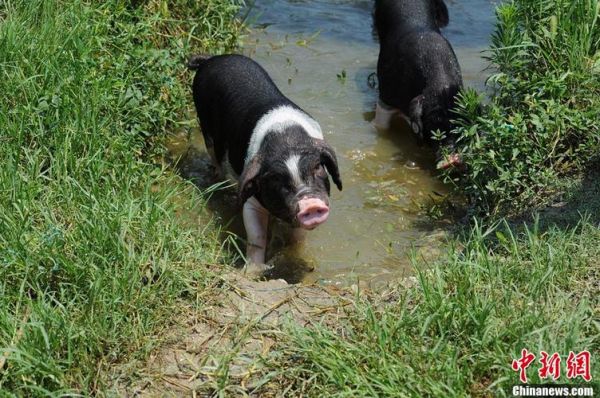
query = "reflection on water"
{"x": 321, "y": 54}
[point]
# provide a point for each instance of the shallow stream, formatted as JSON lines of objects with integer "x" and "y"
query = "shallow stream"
{"x": 322, "y": 55}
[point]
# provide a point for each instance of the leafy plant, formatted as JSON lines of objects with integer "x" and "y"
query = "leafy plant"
{"x": 542, "y": 121}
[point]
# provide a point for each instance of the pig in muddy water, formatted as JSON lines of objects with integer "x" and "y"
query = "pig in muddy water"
{"x": 274, "y": 149}
{"x": 419, "y": 75}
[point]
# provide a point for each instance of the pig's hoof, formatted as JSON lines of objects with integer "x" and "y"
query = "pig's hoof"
{"x": 217, "y": 174}
{"x": 256, "y": 271}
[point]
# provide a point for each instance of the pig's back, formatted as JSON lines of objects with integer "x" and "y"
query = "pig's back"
{"x": 232, "y": 92}
{"x": 412, "y": 62}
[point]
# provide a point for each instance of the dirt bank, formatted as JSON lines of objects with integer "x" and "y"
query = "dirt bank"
{"x": 228, "y": 339}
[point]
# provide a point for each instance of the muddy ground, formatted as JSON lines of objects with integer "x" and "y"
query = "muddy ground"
{"x": 228, "y": 341}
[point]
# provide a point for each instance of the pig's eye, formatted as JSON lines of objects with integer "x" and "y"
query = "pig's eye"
{"x": 320, "y": 171}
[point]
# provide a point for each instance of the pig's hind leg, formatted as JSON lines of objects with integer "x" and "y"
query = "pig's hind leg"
{"x": 215, "y": 151}
{"x": 219, "y": 174}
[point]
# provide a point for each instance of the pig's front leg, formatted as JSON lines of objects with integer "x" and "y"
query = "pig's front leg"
{"x": 256, "y": 222}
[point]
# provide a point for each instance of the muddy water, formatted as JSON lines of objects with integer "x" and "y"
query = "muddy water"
{"x": 322, "y": 55}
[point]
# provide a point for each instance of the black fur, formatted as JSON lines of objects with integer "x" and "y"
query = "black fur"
{"x": 417, "y": 69}
{"x": 231, "y": 94}
{"x": 273, "y": 187}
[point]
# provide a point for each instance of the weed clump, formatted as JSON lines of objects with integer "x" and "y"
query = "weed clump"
{"x": 542, "y": 121}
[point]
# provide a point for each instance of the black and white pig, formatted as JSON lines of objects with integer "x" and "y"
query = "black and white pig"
{"x": 274, "y": 149}
{"x": 419, "y": 75}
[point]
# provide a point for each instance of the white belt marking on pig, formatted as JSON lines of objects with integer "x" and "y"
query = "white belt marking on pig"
{"x": 292, "y": 164}
{"x": 276, "y": 121}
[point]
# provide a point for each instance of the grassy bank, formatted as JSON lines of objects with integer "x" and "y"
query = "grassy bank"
{"x": 457, "y": 331}
{"x": 92, "y": 259}
{"x": 541, "y": 124}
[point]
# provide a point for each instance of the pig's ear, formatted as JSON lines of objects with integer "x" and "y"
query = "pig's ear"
{"x": 441, "y": 13}
{"x": 329, "y": 159}
{"x": 415, "y": 114}
{"x": 248, "y": 185}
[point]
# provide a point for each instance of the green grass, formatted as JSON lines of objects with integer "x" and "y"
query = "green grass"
{"x": 541, "y": 124}
{"x": 93, "y": 260}
{"x": 456, "y": 333}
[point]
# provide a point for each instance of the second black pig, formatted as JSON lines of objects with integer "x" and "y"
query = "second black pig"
{"x": 419, "y": 75}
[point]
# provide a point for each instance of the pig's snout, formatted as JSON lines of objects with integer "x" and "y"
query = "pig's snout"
{"x": 312, "y": 212}
{"x": 452, "y": 160}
